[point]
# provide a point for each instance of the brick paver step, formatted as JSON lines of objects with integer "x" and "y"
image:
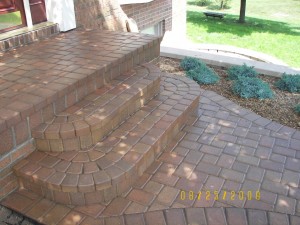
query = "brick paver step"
{"x": 108, "y": 169}
{"x": 88, "y": 121}
{"x": 45, "y": 78}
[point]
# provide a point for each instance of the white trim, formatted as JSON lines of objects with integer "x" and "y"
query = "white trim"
{"x": 27, "y": 13}
{"x": 125, "y": 2}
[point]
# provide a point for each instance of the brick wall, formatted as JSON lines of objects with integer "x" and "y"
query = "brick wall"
{"x": 97, "y": 13}
{"x": 149, "y": 14}
{"x": 172, "y": 12}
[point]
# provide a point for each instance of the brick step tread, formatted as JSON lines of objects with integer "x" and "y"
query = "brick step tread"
{"x": 85, "y": 123}
{"x": 124, "y": 155}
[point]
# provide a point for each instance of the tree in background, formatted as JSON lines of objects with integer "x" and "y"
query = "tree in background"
{"x": 242, "y": 11}
{"x": 217, "y": 4}
{"x": 224, "y": 4}
{"x": 204, "y": 2}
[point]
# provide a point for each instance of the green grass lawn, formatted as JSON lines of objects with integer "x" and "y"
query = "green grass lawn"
{"x": 272, "y": 28}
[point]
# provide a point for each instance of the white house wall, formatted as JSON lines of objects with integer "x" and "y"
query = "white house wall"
{"x": 61, "y": 12}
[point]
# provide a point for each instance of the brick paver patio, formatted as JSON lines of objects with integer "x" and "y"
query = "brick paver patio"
{"x": 226, "y": 166}
{"x": 224, "y": 148}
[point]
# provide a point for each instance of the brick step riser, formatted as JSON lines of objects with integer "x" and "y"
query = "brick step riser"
{"x": 83, "y": 142}
{"x": 119, "y": 186}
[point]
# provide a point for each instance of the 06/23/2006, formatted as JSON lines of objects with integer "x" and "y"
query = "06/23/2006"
{"x": 218, "y": 195}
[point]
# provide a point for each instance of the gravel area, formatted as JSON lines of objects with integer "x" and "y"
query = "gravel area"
{"x": 279, "y": 109}
{"x": 9, "y": 217}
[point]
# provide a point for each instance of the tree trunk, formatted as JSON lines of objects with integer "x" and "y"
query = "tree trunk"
{"x": 104, "y": 14}
{"x": 113, "y": 16}
{"x": 242, "y": 11}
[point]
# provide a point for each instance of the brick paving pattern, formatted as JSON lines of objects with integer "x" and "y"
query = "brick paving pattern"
{"x": 47, "y": 77}
{"x": 112, "y": 165}
{"x": 227, "y": 165}
{"x": 195, "y": 162}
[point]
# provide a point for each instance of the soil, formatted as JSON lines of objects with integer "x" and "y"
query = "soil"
{"x": 279, "y": 109}
{"x": 9, "y": 217}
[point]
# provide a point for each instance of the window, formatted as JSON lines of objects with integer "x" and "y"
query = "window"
{"x": 124, "y": 2}
{"x": 12, "y": 15}
{"x": 154, "y": 30}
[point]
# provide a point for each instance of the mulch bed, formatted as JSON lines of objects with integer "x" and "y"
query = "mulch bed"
{"x": 279, "y": 109}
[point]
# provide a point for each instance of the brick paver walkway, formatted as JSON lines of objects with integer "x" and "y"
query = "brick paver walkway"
{"x": 224, "y": 149}
{"x": 227, "y": 148}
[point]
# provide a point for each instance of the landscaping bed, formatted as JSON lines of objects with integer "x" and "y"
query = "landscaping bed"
{"x": 279, "y": 109}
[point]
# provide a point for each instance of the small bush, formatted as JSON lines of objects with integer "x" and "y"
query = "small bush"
{"x": 289, "y": 82}
{"x": 252, "y": 88}
{"x": 203, "y": 75}
{"x": 235, "y": 72}
{"x": 297, "y": 109}
{"x": 190, "y": 63}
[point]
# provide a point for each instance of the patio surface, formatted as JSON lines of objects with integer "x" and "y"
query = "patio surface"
{"x": 224, "y": 148}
